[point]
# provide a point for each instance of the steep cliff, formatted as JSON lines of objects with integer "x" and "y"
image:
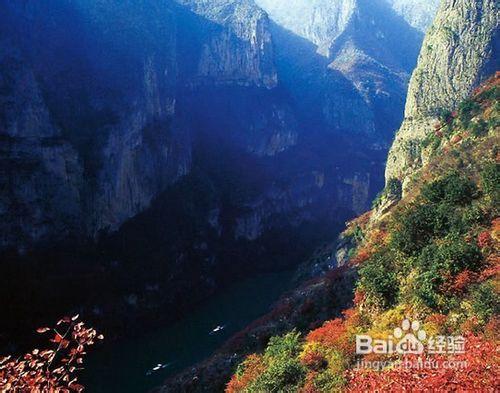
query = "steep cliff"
{"x": 364, "y": 43}
{"x": 109, "y": 101}
{"x": 40, "y": 175}
{"x": 459, "y": 51}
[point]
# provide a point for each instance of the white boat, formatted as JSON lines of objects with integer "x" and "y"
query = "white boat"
{"x": 217, "y": 329}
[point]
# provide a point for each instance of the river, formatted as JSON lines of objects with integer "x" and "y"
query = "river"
{"x": 122, "y": 367}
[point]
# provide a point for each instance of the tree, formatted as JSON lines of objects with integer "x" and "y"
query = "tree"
{"x": 53, "y": 369}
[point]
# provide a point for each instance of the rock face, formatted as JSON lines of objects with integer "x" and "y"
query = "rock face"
{"x": 459, "y": 51}
{"x": 366, "y": 43}
{"x": 418, "y": 13}
{"x": 188, "y": 143}
{"x": 318, "y": 21}
{"x": 115, "y": 113}
{"x": 35, "y": 160}
{"x": 91, "y": 113}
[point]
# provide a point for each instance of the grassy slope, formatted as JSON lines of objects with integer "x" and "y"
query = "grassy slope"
{"x": 431, "y": 256}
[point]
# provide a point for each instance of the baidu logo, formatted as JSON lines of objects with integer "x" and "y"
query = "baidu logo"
{"x": 406, "y": 339}
{"x": 409, "y": 339}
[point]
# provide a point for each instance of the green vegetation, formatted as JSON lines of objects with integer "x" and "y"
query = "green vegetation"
{"x": 433, "y": 257}
{"x": 283, "y": 371}
{"x": 379, "y": 280}
{"x": 490, "y": 177}
{"x": 392, "y": 190}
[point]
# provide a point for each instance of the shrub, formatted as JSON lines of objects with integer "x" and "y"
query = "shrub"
{"x": 453, "y": 189}
{"x": 467, "y": 110}
{"x": 378, "y": 280}
{"x": 331, "y": 334}
{"x": 479, "y": 128}
{"x": 283, "y": 372}
{"x": 485, "y": 301}
{"x": 247, "y": 372}
{"x": 416, "y": 229}
{"x": 490, "y": 179}
{"x": 428, "y": 283}
{"x": 451, "y": 257}
{"x": 481, "y": 373}
{"x": 394, "y": 188}
{"x": 328, "y": 381}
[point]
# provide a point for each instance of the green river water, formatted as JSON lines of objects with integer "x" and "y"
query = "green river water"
{"x": 122, "y": 367}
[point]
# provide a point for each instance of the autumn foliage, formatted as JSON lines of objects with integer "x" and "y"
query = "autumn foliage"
{"x": 476, "y": 370}
{"x": 53, "y": 369}
{"x": 434, "y": 257}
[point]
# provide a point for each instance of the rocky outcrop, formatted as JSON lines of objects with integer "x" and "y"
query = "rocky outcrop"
{"x": 365, "y": 43}
{"x": 247, "y": 59}
{"x": 318, "y": 21}
{"x": 459, "y": 51}
{"x": 418, "y": 13}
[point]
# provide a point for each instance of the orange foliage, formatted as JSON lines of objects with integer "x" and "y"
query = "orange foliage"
{"x": 254, "y": 366}
{"x": 361, "y": 256}
{"x": 456, "y": 139}
{"x": 54, "y": 369}
{"x": 492, "y": 328}
{"x": 470, "y": 325}
{"x": 481, "y": 372}
{"x": 495, "y": 229}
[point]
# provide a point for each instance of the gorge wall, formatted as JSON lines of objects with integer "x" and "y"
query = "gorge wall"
{"x": 161, "y": 147}
{"x": 456, "y": 57}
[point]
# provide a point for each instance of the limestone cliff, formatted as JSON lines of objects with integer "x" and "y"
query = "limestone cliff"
{"x": 95, "y": 117}
{"x": 366, "y": 43}
{"x": 459, "y": 51}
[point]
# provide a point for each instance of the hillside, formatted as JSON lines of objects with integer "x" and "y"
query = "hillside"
{"x": 432, "y": 257}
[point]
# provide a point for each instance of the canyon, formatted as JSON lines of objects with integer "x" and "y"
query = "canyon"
{"x": 158, "y": 149}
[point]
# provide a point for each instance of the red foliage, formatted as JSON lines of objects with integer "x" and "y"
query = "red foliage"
{"x": 484, "y": 239}
{"x": 492, "y": 269}
{"x": 359, "y": 297}
{"x": 54, "y": 369}
{"x": 314, "y": 360}
{"x": 463, "y": 280}
{"x": 332, "y": 334}
{"x": 439, "y": 320}
{"x": 481, "y": 372}
{"x": 329, "y": 333}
